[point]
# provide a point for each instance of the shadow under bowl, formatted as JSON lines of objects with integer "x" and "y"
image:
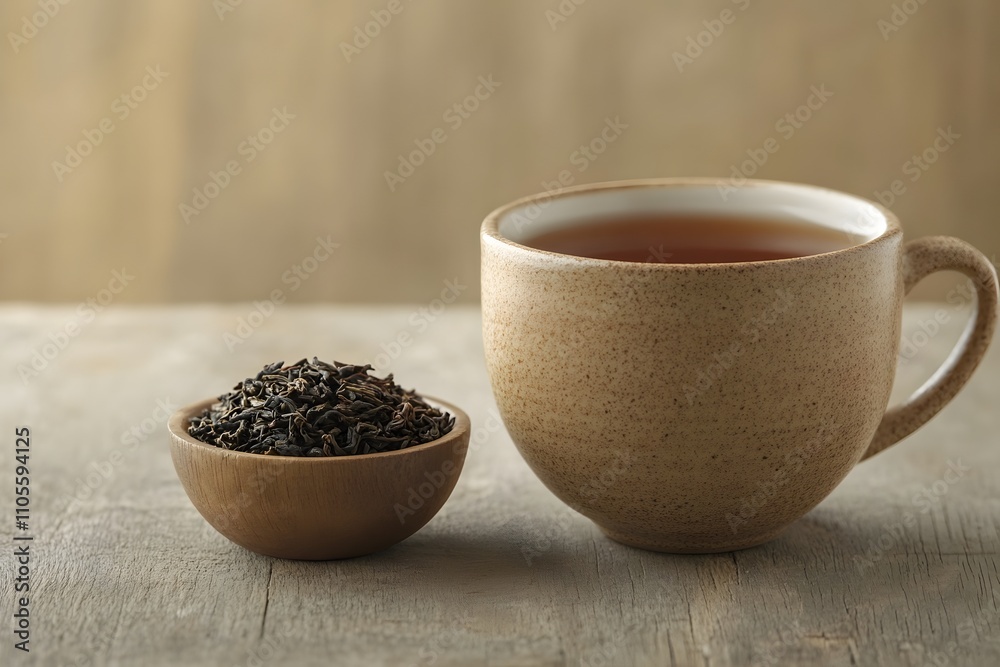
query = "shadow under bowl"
{"x": 318, "y": 508}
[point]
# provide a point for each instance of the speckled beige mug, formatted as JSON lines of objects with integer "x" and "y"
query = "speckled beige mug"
{"x": 599, "y": 367}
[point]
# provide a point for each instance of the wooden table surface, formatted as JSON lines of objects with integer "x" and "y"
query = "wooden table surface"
{"x": 896, "y": 567}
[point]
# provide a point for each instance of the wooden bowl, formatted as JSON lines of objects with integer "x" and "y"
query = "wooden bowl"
{"x": 320, "y": 508}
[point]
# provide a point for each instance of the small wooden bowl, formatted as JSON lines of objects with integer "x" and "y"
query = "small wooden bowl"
{"x": 320, "y": 508}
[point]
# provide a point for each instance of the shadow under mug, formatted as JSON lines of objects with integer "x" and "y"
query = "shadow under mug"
{"x": 699, "y": 408}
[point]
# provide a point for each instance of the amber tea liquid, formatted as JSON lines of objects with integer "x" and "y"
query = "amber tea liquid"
{"x": 691, "y": 239}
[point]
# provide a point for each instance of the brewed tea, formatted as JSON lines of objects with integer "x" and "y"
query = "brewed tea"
{"x": 690, "y": 239}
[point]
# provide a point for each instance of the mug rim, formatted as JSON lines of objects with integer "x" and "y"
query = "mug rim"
{"x": 490, "y": 228}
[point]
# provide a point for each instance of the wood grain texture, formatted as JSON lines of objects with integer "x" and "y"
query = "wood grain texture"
{"x": 130, "y": 574}
{"x": 324, "y": 175}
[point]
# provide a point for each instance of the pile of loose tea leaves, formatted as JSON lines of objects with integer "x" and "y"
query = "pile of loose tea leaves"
{"x": 312, "y": 408}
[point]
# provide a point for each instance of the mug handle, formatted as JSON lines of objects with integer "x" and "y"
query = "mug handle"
{"x": 921, "y": 258}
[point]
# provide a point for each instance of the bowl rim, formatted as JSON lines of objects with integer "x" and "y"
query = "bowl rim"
{"x": 177, "y": 427}
{"x": 489, "y": 230}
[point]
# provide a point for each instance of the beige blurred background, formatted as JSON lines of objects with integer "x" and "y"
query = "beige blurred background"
{"x": 563, "y": 69}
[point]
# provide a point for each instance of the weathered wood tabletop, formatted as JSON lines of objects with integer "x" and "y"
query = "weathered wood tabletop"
{"x": 900, "y": 566}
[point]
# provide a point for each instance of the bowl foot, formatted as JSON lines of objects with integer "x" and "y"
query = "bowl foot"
{"x": 680, "y": 544}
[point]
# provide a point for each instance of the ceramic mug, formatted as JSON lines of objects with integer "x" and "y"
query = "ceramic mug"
{"x": 599, "y": 367}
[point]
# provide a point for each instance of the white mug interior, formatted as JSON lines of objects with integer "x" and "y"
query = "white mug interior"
{"x": 859, "y": 220}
